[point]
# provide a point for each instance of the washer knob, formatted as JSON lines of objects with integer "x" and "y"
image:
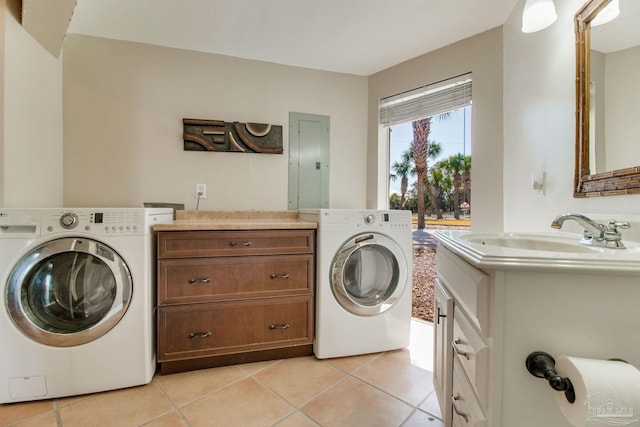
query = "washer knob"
{"x": 370, "y": 219}
{"x": 69, "y": 220}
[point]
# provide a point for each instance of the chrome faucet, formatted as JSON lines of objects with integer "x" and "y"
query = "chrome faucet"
{"x": 594, "y": 233}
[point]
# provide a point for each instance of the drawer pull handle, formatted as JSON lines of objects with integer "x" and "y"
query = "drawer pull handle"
{"x": 200, "y": 335}
{"x": 454, "y": 344}
{"x": 439, "y": 316}
{"x": 202, "y": 280}
{"x": 455, "y": 407}
{"x": 234, "y": 243}
{"x": 280, "y": 326}
{"x": 279, "y": 276}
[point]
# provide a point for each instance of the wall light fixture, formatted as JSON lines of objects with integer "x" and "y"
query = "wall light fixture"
{"x": 609, "y": 13}
{"x": 538, "y": 15}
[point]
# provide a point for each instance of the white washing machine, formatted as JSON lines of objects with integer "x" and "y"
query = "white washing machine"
{"x": 77, "y": 311}
{"x": 363, "y": 280}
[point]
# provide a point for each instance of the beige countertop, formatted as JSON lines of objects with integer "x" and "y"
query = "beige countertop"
{"x": 235, "y": 220}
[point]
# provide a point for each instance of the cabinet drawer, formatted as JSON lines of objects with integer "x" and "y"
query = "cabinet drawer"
{"x": 472, "y": 351}
{"x": 469, "y": 286}
{"x": 210, "y": 329}
{"x": 227, "y": 278}
{"x": 184, "y": 244}
{"x": 467, "y": 410}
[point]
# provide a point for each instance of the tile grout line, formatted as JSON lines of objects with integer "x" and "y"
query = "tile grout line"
{"x": 408, "y": 417}
{"x": 179, "y": 408}
{"x": 415, "y": 408}
{"x": 379, "y": 388}
{"x": 276, "y": 394}
{"x": 56, "y": 411}
{"x": 326, "y": 390}
{"x": 173, "y": 404}
{"x": 297, "y": 411}
{"x": 298, "y": 408}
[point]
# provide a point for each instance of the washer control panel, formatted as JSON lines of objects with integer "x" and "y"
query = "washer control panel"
{"x": 99, "y": 222}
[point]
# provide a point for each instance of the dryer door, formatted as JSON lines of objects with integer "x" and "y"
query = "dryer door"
{"x": 68, "y": 291}
{"x": 368, "y": 274}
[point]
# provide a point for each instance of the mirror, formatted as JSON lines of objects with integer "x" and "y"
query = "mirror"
{"x": 600, "y": 141}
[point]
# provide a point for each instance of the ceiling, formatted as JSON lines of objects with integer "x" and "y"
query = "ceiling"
{"x": 358, "y": 37}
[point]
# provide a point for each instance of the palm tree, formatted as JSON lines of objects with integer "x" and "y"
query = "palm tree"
{"x": 433, "y": 193}
{"x": 466, "y": 178}
{"x": 421, "y": 152}
{"x": 434, "y": 150}
{"x": 403, "y": 170}
{"x": 420, "y": 148}
{"x": 455, "y": 166}
{"x": 439, "y": 183}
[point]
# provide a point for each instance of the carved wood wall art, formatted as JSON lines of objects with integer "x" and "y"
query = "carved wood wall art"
{"x": 218, "y": 135}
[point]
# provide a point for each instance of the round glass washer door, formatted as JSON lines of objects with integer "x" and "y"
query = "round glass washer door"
{"x": 68, "y": 292}
{"x": 368, "y": 274}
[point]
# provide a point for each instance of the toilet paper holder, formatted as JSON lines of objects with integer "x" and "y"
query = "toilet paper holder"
{"x": 542, "y": 365}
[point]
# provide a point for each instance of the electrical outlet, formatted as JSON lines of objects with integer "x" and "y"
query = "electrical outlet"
{"x": 201, "y": 191}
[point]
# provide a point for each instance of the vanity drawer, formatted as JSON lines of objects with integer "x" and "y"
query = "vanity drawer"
{"x": 469, "y": 286}
{"x": 201, "y": 330}
{"x": 467, "y": 410}
{"x": 227, "y": 278}
{"x": 185, "y": 244}
{"x": 472, "y": 352}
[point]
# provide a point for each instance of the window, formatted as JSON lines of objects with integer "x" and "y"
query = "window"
{"x": 426, "y": 101}
{"x": 440, "y": 196}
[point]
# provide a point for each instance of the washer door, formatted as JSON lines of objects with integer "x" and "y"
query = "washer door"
{"x": 368, "y": 274}
{"x": 68, "y": 292}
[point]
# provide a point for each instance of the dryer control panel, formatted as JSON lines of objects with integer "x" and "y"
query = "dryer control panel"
{"x": 98, "y": 222}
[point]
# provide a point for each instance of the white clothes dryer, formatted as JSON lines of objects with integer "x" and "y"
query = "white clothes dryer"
{"x": 363, "y": 280}
{"x": 77, "y": 313}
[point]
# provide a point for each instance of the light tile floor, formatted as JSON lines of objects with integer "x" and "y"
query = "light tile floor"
{"x": 384, "y": 389}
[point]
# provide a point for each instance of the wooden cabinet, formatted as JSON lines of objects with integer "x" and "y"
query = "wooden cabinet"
{"x": 234, "y": 296}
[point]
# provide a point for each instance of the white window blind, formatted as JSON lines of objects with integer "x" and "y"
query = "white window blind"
{"x": 426, "y": 101}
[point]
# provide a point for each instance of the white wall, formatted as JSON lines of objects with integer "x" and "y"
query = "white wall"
{"x": 3, "y": 26}
{"x": 32, "y": 118}
{"x": 123, "y": 109}
{"x": 539, "y": 121}
{"x": 124, "y": 103}
{"x": 621, "y": 108}
{"x": 481, "y": 55}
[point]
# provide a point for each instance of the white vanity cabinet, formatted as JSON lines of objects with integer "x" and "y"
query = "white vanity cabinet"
{"x": 442, "y": 357}
{"x": 467, "y": 410}
{"x": 461, "y": 359}
{"x": 501, "y": 306}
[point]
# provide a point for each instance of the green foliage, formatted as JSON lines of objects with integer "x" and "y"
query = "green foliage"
{"x": 448, "y": 178}
{"x": 447, "y": 182}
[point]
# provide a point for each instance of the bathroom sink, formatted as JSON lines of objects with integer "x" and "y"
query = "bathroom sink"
{"x": 531, "y": 242}
{"x": 540, "y": 251}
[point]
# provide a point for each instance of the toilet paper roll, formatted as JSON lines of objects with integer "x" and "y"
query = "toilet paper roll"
{"x": 607, "y": 392}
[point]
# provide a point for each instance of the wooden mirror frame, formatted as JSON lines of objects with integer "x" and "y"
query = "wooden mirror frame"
{"x": 612, "y": 183}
